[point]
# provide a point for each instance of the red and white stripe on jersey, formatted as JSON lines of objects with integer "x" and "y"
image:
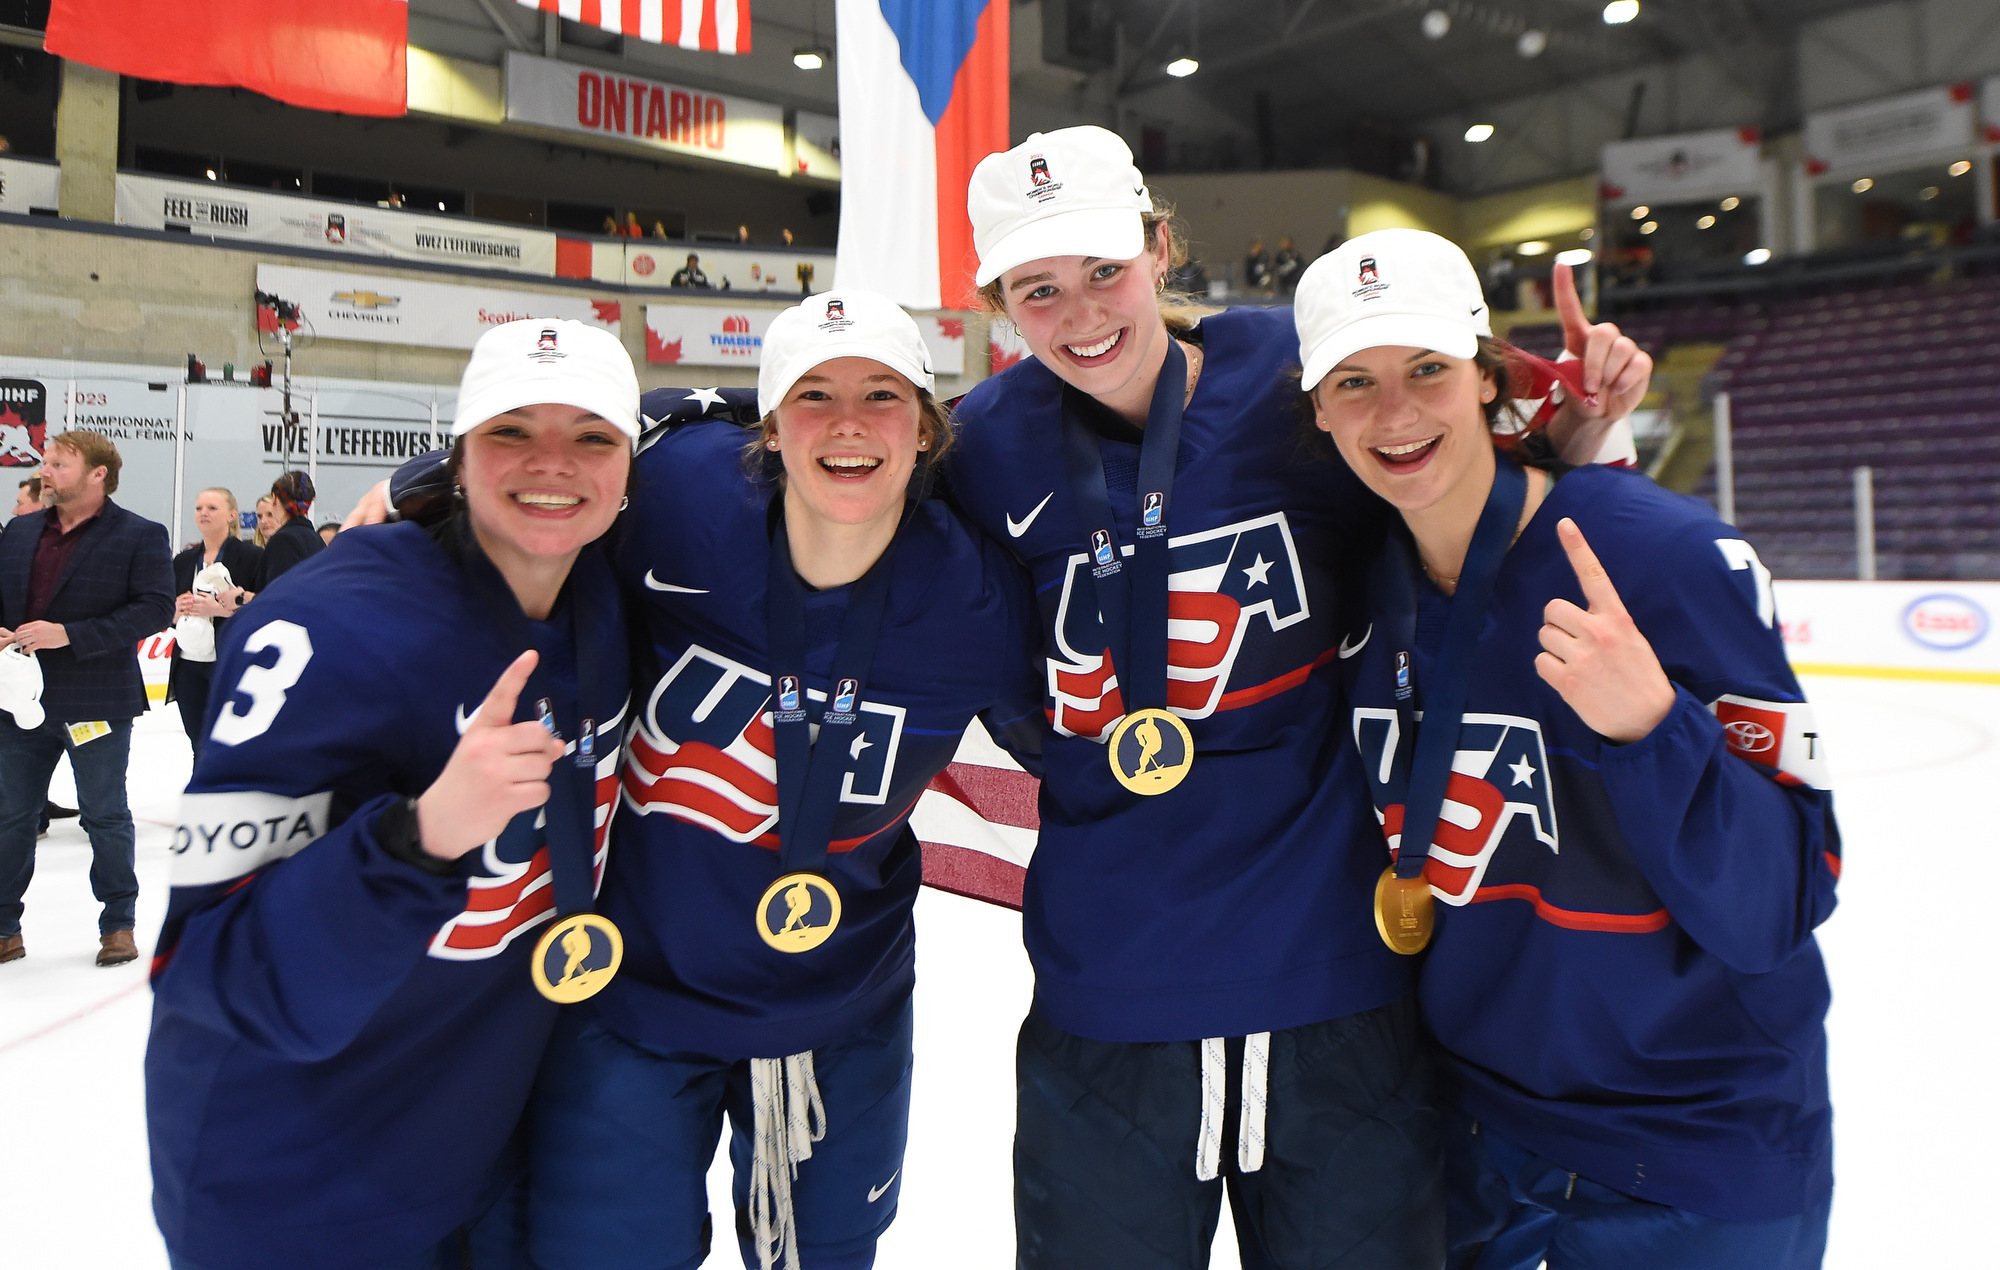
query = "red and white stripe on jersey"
{"x": 1780, "y": 735}
{"x": 518, "y": 897}
{"x": 978, "y": 823}
{"x": 718, "y": 26}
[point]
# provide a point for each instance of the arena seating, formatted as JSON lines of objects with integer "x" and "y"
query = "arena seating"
{"x": 1905, "y": 379}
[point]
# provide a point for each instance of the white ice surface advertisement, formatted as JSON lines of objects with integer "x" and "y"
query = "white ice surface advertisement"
{"x": 382, "y": 310}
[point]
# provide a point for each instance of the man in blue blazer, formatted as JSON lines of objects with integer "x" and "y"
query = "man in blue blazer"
{"x": 81, "y": 583}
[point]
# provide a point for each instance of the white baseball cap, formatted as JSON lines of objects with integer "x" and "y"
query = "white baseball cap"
{"x": 840, "y": 324}
{"x": 548, "y": 360}
{"x": 1071, "y": 192}
{"x": 1393, "y": 287}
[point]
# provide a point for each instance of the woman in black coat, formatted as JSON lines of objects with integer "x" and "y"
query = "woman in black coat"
{"x": 295, "y": 541}
{"x": 215, "y": 515}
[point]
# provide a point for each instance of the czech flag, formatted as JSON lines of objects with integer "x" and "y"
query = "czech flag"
{"x": 923, "y": 98}
{"x": 345, "y": 55}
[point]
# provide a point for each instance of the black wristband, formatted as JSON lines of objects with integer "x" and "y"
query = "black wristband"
{"x": 397, "y": 830}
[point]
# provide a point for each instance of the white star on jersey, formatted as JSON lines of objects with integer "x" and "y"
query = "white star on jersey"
{"x": 706, "y": 396}
{"x": 1259, "y": 572}
{"x": 1524, "y": 772}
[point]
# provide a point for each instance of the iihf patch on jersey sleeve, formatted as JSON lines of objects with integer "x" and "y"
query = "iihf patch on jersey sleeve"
{"x": 222, "y": 837}
{"x": 1780, "y": 735}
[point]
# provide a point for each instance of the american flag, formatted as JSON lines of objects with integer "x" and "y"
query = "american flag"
{"x": 718, "y": 26}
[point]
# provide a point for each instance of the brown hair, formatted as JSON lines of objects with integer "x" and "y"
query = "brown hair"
{"x": 934, "y": 424}
{"x": 1177, "y": 310}
{"x": 96, "y": 450}
{"x": 235, "y": 513}
{"x": 294, "y": 493}
{"x": 34, "y": 487}
{"x": 1511, "y": 434}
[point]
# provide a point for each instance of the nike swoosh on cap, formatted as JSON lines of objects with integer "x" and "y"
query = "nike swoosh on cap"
{"x": 654, "y": 584}
{"x": 1016, "y": 530}
{"x": 1347, "y": 650}
{"x": 877, "y": 1192}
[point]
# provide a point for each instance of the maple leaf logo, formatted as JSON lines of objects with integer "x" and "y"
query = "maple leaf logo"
{"x": 658, "y": 350}
{"x": 951, "y": 328}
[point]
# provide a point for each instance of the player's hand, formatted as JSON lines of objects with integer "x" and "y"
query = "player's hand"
{"x": 498, "y": 770}
{"x": 6, "y": 637}
{"x": 1596, "y": 658}
{"x": 373, "y": 509}
{"x": 35, "y": 637}
{"x": 1616, "y": 375}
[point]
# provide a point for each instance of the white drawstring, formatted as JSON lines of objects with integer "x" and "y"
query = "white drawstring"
{"x": 1250, "y": 1120}
{"x": 1250, "y": 1124}
{"x": 788, "y": 1117}
{"x": 1208, "y": 1152}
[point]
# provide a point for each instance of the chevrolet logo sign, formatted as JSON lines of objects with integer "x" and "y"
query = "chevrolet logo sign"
{"x": 366, "y": 299}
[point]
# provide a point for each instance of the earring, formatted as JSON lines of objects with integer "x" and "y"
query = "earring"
{"x": 923, "y": 445}
{"x": 772, "y": 444}
{"x": 625, "y": 502}
{"x": 458, "y": 491}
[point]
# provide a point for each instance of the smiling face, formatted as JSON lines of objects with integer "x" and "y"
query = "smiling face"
{"x": 212, "y": 514}
{"x": 848, "y": 432}
{"x": 1096, "y": 323}
{"x": 1409, "y": 422}
{"x": 541, "y": 481}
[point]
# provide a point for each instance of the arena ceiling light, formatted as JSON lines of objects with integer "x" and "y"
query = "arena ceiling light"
{"x": 1641, "y": 212}
{"x": 1731, "y": 203}
{"x": 811, "y": 57}
{"x": 1532, "y": 43}
{"x": 1705, "y": 222}
{"x": 1757, "y": 256}
{"x": 1651, "y": 226}
{"x": 1182, "y": 67}
{"x": 1437, "y": 24}
{"x": 1535, "y": 248}
{"x": 1619, "y": 12}
{"x": 1479, "y": 132}
{"x": 1863, "y": 185}
{"x": 1961, "y": 167}
{"x": 1574, "y": 256}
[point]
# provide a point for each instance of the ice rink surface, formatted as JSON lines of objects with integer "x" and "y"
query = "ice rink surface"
{"x": 1913, "y": 961}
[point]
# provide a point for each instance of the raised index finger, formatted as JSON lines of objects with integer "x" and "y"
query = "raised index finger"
{"x": 1569, "y": 307}
{"x": 1597, "y": 589}
{"x": 497, "y": 711}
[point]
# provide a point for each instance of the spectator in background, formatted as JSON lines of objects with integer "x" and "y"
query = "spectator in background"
{"x": 5, "y": 145}
{"x": 328, "y": 530}
{"x": 742, "y": 233}
{"x": 193, "y": 666}
{"x": 632, "y": 226}
{"x": 659, "y": 229}
{"x": 611, "y": 227}
{"x": 1257, "y": 267}
{"x": 28, "y": 498}
{"x": 1286, "y": 267}
{"x": 690, "y": 274}
{"x": 267, "y": 520}
{"x": 81, "y": 583}
{"x": 788, "y": 236}
{"x": 293, "y": 542}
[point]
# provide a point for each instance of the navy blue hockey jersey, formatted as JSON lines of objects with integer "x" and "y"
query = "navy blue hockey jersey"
{"x": 342, "y": 1043}
{"x": 1624, "y": 977}
{"x": 1240, "y": 901}
{"x": 698, "y": 838}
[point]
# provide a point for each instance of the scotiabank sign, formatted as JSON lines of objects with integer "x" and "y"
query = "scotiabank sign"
{"x": 555, "y": 94}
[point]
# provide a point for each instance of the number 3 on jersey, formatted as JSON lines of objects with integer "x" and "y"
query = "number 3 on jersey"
{"x": 266, "y": 686}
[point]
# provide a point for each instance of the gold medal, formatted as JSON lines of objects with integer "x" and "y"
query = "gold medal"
{"x": 576, "y": 957}
{"x": 1403, "y": 912}
{"x": 1151, "y": 751}
{"x": 798, "y": 913}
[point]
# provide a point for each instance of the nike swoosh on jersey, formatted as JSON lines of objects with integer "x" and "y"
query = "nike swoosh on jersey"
{"x": 877, "y": 1192}
{"x": 654, "y": 584}
{"x": 1348, "y": 650}
{"x": 1015, "y": 530}
{"x": 464, "y": 719}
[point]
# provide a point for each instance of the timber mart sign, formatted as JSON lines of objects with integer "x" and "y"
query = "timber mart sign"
{"x": 554, "y": 94}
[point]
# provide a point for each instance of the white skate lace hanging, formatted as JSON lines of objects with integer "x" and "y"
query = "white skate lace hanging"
{"x": 788, "y": 1117}
{"x": 1250, "y": 1120}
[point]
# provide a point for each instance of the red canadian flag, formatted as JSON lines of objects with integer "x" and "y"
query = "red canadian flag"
{"x": 345, "y": 55}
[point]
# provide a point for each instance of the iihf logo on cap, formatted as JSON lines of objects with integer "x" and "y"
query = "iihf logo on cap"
{"x": 545, "y": 346}
{"x": 835, "y": 309}
{"x": 843, "y": 696}
{"x": 1151, "y": 516}
{"x": 1042, "y": 184}
{"x": 788, "y": 693}
{"x": 1369, "y": 274}
{"x": 1038, "y": 170}
{"x": 1100, "y": 547}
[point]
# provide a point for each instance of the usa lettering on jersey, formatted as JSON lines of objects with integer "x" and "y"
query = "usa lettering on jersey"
{"x": 703, "y": 750}
{"x": 1499, "y": 776}
{"x": 1217, "y": 581}
{"x": 515, "y": 891}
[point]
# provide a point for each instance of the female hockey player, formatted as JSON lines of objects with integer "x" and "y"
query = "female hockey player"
{"x": 345, "y": 1029}
{"x": 1211, "y": 999}
{"x": 1623, "y": 979}
{"x": 822, "y": 635}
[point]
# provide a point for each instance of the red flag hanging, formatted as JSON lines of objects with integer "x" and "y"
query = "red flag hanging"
{"x": 345, "y": 55}
{"x": 719, "y": 26}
